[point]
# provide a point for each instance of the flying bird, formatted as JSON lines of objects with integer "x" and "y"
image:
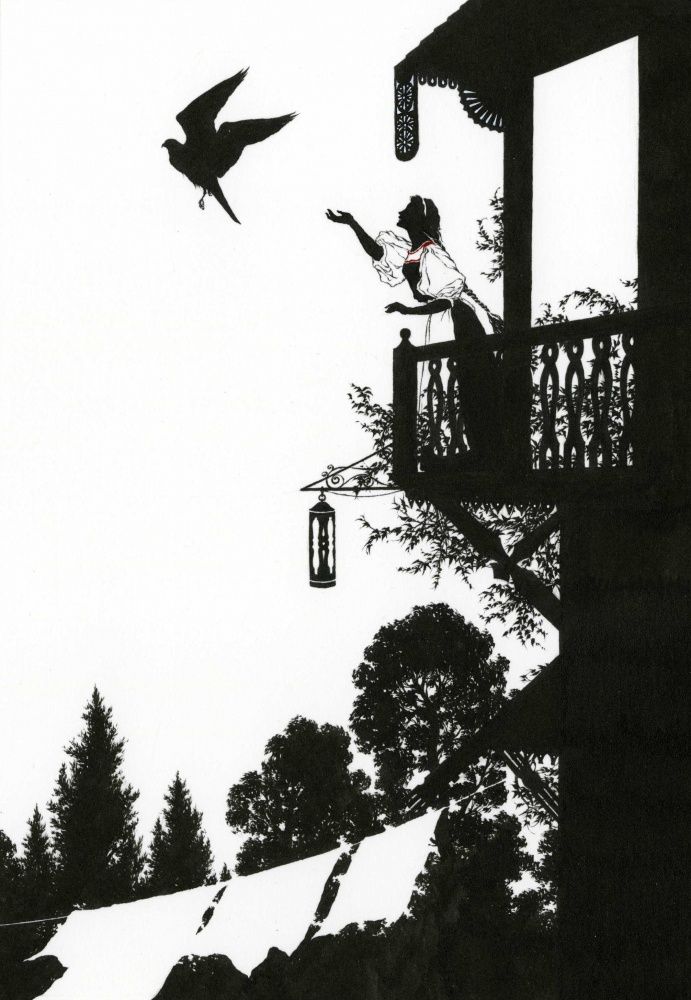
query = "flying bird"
{"x": 209, "y": 152}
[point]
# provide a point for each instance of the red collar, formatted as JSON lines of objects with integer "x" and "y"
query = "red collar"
{"x": 414, "y": 255}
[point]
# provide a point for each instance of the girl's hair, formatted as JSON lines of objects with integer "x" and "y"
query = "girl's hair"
{"x": 430, "y": 222}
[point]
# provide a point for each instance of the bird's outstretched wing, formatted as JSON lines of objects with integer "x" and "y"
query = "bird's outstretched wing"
{"x": 200, "y": 114}
{"x": 232, "y": 137}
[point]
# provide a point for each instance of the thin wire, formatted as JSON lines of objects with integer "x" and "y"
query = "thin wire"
{"x": 478, "y": 791}
{"x": 41, "y": 920}
{"x": 45, "y": 920}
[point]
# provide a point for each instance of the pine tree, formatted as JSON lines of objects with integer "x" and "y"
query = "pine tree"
{"x": 10, "y": 943}
{"x": 9, "y": 878}
{"x": 225, "y": 873}
{"x": 98, "y": 855}
{"x": 180, "y": 854}
{"x": 37, "y": 873}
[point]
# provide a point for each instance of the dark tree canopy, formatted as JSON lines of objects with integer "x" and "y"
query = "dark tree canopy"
{"x": 180, "y": 855}
{"x": 426, "y": 683}
{"x": 302, "y": 800}
{"x": 98, "y": 855}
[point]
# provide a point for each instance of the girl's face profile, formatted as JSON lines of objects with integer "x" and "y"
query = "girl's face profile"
{"x": 407, "y": 216}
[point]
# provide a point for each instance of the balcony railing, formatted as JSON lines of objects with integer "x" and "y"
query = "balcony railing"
{"x": 455, "y": 405}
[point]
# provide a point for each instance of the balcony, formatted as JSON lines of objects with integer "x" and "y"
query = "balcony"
{"x": 557, "y": 412}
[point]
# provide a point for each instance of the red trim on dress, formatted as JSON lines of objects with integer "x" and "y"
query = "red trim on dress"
{"x": 414, "y": 255}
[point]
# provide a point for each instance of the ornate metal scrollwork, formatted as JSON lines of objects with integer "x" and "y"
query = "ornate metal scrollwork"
{"x": 360, "y": 478}
{"x": 406, "y": 118}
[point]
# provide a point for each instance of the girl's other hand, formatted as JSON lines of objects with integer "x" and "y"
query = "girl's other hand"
{"x": 396, "y": 307}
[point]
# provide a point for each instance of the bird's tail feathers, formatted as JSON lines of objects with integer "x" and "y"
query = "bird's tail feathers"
{"x": 215, "y": 190}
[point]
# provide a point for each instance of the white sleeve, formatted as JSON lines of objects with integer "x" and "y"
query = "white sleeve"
{"x": 439, "y": 276}
{"x": 396, "y": 248}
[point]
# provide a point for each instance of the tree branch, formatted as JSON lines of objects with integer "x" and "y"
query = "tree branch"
{"x": 488, "y": 545}
{"x": 529, "y": 544}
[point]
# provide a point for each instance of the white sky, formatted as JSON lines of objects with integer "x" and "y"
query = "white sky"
{"x": 168, "y": 380}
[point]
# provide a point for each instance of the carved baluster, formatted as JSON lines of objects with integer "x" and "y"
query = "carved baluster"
{"x": 574, "y": 445}
{"x": 626, "y": 399}
{"x": 435, "y": 408}
{"x": 548, "y": 452}
{"x": 455, "y": 410}
{"x": 601, "y": 396}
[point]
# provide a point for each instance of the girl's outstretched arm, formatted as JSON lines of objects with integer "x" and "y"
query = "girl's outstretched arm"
{"x": 371, "y": 248}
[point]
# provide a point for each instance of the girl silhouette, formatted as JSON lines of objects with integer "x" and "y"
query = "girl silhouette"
{"x": 436, "y": 283}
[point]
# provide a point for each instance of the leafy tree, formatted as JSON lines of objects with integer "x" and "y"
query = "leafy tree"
{"x": 180, "y": 854}
{"x": 302, "y": 800}
{"x": 426, "y": 683}
{"x": 37, "y": 870}
{"x": 98, "y": 855}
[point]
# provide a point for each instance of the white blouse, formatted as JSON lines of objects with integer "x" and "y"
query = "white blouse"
{"x": 439, "y": 276}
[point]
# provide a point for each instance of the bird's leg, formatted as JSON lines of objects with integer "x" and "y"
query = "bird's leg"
{"x": 201, "y": 200}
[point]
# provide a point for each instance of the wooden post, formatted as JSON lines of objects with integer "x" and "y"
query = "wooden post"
{"x": 404, "y": 461}
{"x": 625, "y": 869}
{"x": 518, "y": 242}
{"x": 664, "y": 250}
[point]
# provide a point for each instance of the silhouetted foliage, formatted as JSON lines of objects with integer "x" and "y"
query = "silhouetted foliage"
{"x": 491, "y": 237}
{"x": 426, "y": 683}
{"x": 302, "y": 800}
{"x": 98, "y": 855}
{"x": 11, "y": 945}
{"x": 37, "y": 870}
{"x": 10, "y": 870}
{"x": 180, "y": 854}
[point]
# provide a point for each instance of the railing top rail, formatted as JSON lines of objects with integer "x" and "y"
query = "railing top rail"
{"x": 577, "y": 329}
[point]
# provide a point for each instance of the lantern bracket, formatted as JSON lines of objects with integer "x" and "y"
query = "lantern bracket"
{"x": 364, "y": 477}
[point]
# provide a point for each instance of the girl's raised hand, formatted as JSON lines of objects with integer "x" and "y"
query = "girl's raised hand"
{"x": 345, "y": 218}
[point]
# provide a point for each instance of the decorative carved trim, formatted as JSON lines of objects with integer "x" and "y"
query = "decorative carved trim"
{"x": 406, "y": 131}
{"x": 481, "y": 111}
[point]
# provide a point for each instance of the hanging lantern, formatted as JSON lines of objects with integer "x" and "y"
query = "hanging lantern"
{"x": 322, "y": 544}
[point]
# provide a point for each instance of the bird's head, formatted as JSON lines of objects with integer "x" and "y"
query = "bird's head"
{"x": 170, "y": 145}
